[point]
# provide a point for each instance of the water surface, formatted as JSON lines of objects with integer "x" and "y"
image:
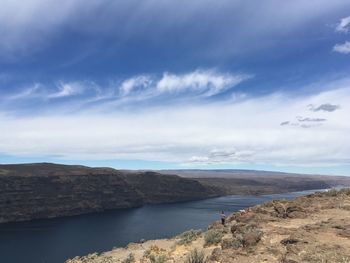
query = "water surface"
{"x": 55, "y": 240}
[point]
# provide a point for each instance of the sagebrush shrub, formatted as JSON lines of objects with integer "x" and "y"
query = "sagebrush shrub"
{"x": 213, "y": 237}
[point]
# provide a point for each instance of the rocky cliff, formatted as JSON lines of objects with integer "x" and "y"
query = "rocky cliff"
{"x": 32, "y": 191}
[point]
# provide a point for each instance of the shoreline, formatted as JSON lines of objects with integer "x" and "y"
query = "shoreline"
{"x": 155, "y": 204}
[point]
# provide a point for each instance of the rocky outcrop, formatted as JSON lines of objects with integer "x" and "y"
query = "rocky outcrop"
{"x": 34, "y": 191}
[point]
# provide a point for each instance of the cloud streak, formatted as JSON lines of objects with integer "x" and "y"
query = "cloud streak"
{"x": 197, "y": 84}
{"x": 207, "y": 83}
{"x": 324, "y": 107}
{"x": 40, "y": 91}
{"x": 66, "y": 90}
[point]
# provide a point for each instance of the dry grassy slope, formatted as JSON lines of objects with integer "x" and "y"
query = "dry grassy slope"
{"x": 313, "y": 228}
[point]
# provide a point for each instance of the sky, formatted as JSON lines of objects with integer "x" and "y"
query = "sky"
{"x": 154, "y": 84}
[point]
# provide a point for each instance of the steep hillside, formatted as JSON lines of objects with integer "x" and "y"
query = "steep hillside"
{"x": 159, "y": 188}
{"x": 32, "y": 191}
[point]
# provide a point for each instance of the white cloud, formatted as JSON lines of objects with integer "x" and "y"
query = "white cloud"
{"x": 198, "y": 83}
{"x": 343, "y": 25}
{"x": 66, "y": 90}
{"x": 206, "y": 82}
{"x": 140, "y": 88}
{"x": 26, "y": 93}
{"x": 342, "y": 48}
{"x": 129, "y": 85}
{"x": 245, "y": 132}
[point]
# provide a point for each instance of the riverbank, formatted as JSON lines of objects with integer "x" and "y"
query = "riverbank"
{"x": 312, "y": 228}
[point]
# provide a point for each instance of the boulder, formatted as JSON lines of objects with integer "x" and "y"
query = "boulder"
{"x": 251, "y": 238}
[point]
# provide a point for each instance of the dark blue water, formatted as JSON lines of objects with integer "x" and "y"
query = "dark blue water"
{"x": 55, "y": 240}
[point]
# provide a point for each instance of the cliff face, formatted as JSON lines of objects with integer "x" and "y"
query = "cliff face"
{"x": 158, "y": 188}
{"x": 48, "y": 190}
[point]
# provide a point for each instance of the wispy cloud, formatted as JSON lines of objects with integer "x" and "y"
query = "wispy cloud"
{"x": 39, "y": 91}
{"x": 324, "y": 107}
{"x": 137, "y": 83}
{"x": 169, "y": 86}
{"x": 223, "y": 156}
{"x": 342, "y": 48}
{"x": 307, "y": 119}
{"x": 26, "y": 93}
{"x": 304, "y": 122}
{"x": 310, "y": 122}
{"x": 198, "y": 83}
{"x": 204, "y": 82}
{"x": 66, "y": 90}
{"x": 344, "y": 25}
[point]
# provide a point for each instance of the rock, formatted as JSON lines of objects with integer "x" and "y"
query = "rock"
{"x": 280, "y": 210}
{"x": 289, "y": 241}
{"x": 344, "y": 233}
{"x": 297, "y": 214}
{"x": 289, "y": 261}
{"x": 285, "y": 210}
{"x": 216, "y": 254}
{"x": 251, "y": 238}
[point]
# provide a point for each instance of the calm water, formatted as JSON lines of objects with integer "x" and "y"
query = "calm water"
{"x": 55, "y": 240}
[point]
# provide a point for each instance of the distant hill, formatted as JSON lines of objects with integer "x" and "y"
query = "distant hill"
{"x": 238, "y": 173}
{"x": 230, "y": 181}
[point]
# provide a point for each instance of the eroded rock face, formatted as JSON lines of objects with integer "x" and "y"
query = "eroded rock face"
{"x": 25, "y": 198}
{"x": 48, "y": 190}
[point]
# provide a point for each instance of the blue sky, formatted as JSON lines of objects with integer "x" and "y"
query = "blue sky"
{"x": 177, "y": 84}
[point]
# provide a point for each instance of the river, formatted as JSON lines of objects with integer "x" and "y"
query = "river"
{"x": 55, "y": 240}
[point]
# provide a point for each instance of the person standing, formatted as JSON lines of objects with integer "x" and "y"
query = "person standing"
{"x": 223, "y": 218}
